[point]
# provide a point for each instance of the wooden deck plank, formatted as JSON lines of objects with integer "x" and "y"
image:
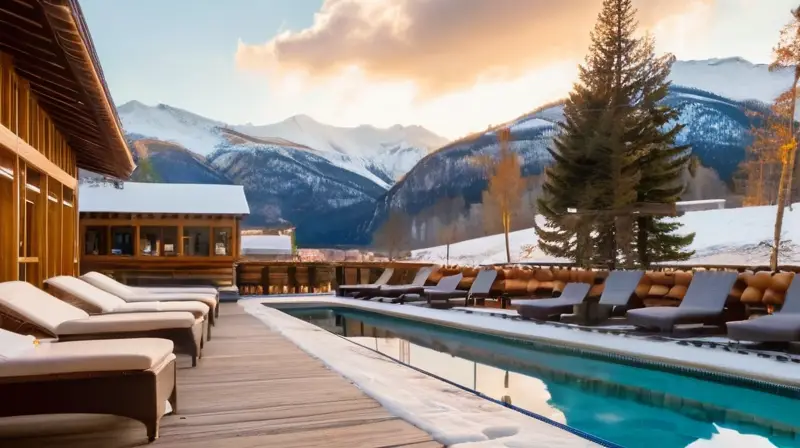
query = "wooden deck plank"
{"x": 252, "y": 388}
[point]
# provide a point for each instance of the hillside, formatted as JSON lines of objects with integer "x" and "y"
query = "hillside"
{"x": 379, "y": 155}
{"x": 299, "y": 169}
{"x": 740, "y": 236}
{"x": 717, "y": 129}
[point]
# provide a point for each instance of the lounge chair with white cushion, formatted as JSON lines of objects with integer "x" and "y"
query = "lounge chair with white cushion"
{"x": 132, "y": 378}
{"x": 138, "y": 294}
{"x": 94, "y": 300}
{"x": 25, "y": 308}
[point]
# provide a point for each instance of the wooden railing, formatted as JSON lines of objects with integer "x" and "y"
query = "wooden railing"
{"x": 289, "y": 277}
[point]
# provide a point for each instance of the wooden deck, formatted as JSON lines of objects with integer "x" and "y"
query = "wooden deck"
{"x": 253, "y": 388}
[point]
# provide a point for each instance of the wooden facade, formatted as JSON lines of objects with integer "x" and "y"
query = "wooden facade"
{"x": 149, "y": 249}
{"x": 55, "y": 116}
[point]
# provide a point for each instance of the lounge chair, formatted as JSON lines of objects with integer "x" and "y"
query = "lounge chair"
{"x": 783, "y": 326}
{"x": 416, "y": 286}
{"x": 445, "y": 285}
{"x": 26, "y": 308}
{"x": 345, "y": 290}
{"x": 704, "y": 303}
{"x": 479, "y": 290}
{"x": 94, "y": 300}
{"x": 132, "y": 378}
{"x": 618, "y": 289}
{"x": 133, "y": 294}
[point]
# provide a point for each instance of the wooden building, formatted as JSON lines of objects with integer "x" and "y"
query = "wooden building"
{"x": 151, "y": 233}
{"x": 56, "y": 116}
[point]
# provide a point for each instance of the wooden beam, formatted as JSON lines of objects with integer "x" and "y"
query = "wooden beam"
{"x": 35, "y": 158}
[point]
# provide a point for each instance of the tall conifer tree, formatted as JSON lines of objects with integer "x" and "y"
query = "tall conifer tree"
{"x": 616, "y": 147}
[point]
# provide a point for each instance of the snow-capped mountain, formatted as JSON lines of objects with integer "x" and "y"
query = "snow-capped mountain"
{"x": 380, "y": 155}
{"x": 717, "y": 128}
{"x": 733, "y": 78}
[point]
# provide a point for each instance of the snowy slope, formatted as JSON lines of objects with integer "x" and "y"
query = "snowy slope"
{"x": 739, "y": 236}
{"x": 380, "y": 155}
{"x": 391, "y": 151}
{"x": 734, "y": 78}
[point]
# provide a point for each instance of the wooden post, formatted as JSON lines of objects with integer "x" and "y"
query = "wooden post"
{"x": 292, "y": 271}
{"x": 312, "y": 278}
{"x": 338, "y": 274}
{"x": 265, "y": 280}
{"x": 358, "y": 275}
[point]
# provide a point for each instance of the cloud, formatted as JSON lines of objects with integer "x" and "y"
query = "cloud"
{"x": 441, "y": 46}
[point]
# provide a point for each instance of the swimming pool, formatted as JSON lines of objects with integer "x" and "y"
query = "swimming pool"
{"x": 628, "y": 405}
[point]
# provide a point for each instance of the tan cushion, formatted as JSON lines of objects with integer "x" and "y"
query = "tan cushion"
{"x": 37, "y": 306}
{"x": 198, "y": 309}
{"x": 677, "y": 292}
{"x": 126, "y": 322}
{"x": 781, "y": 281}
{"x": 181, "y": 290}
{"x": 109, "y": 285}
{"x": 208, "y": 300}
{"x": 752, "y": 294}
{"x": 658, "y": 290}
{"x": 88, "y": 356}
{"x": 86, "y": 292}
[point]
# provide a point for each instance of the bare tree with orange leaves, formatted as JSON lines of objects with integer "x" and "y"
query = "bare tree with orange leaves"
{"x": 503, "y": 195}
{"x": 761, "y": 170}
{"x": 787, "y": 56}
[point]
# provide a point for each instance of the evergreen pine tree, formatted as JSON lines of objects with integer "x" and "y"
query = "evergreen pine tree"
{"x": 662, "y": 162}
{"x": 595, "y": 169}
{"x": 616, "y": 148}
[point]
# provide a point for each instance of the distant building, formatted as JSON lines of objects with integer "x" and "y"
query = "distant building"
{"x": 703, "y": 204}
{"x": 273, "y": 243}
{"x": 161, "y": 233}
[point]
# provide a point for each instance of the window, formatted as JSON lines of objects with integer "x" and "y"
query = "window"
{"x": 95, "y": 240}
{"x": 122, "y": 240}
{"x": 196, "y": 241}
{"x": 222, "y": 241}
{"x": 158, "y": 241}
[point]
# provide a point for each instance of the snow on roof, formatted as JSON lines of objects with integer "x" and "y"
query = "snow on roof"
{"x": 138, "y": 197}
{"x": 266, "y": 244}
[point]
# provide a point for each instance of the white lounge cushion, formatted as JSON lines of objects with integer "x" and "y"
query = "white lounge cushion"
{"x": 13, "y": 343}
{"x": 208, "y": 300}
{"x": 86, "y": 292}
{"x": 198, "y": 309}
{"x": 88, "y": 356}
{"x": 126, "y": 322}
{"x": 38, "y": 307}
{"x": 177, "y": 289}
{"x": 109, "y": 303}
{"x": 129, "y": 293}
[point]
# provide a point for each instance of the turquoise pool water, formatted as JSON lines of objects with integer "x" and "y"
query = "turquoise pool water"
{"x": 627, "y": 405}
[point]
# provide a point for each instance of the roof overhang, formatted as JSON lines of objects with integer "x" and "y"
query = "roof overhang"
{"x": 52, "y": 49}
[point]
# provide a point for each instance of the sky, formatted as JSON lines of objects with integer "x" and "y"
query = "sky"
{"x": 453, "y": 66}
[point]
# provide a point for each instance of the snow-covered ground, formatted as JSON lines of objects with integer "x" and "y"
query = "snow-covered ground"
{"x": 739, "y": 236}
{"x": 459, "y": 419}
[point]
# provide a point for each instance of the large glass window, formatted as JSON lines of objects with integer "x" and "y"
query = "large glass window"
{"x": 158, "y": 241}
{"x": 122, "y": 240}
{"x": 95, "y": 240}
{"x": 222, "y": 241}
{"x": 197, "y": 241}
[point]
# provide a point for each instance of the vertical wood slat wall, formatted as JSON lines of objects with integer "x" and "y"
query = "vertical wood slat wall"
{"x": 38, "y": 219}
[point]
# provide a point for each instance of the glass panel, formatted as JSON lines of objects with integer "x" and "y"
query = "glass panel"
{"x": 122, "y": 240}
{"x": 95, "y": 240}
{"x": 196, "y": 241}
{"x": 222, "y": 240}
{"x": 158, "y": 241}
